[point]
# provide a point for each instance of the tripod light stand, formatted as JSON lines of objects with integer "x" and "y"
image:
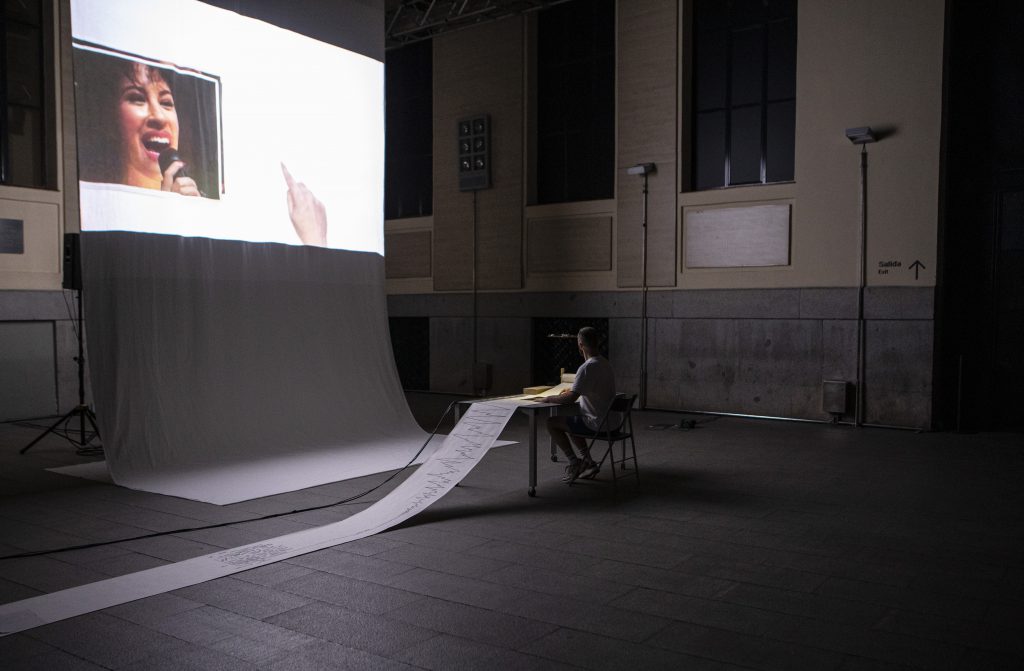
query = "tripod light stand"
{"x": 81, "y": 411}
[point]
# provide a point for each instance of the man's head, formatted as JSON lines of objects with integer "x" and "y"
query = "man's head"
{"x": 586, "y": 339}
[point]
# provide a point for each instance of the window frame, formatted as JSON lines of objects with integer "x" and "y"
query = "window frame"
{"x": 565, "y": 132}
{"x": 765, "y": 103}
{"x": 46, "y": 153}
{"x": 401, "y": 172}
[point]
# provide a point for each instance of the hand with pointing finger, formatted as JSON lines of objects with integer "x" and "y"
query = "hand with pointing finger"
{"x": 308, "y": 215}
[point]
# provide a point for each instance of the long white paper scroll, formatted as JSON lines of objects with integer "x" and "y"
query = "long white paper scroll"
{"x": 462, "y": 450}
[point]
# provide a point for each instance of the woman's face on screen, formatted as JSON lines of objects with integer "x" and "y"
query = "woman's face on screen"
{"x": 148, "y": 125}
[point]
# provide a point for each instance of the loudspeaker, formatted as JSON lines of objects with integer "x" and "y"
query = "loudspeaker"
{"x": 72, "y": 262}
{"x": 474, "y": 137}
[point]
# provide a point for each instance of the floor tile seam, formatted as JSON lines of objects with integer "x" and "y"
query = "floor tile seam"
{"x": 748, "y": 520}
{"x": 418, "y": 597}
{"x": 990, "y": 594}
{"x": 796, "y": 639}
{"x": 341, "y": 547}
{"x": 677, "y": 592}
{"x": 91, "y": 515}
{"x": 201, "y": 553}
{"x": 566, "y": 627}
{"x": 925, "y": 518}
{"x": 711, "y": 536}
{"x": 434, "y": 547}
{"x": 99, "y": 541}
{"x": 963, "y": 645}
{"x": 38, "y": 592}
{"x": 520, "y": 650}
{"x": 500, "y": 609}
{"x": 224, "y": 614}
{"x": 765, "y": 611}
{"x": 150, "y": 627}
{"x": 527, "y": 593}
{"x": 776, "y": 548}
{"x": 832, "y": 571}
{"x": 936, "y": 555}
{"x": 197, "y": 606}
{"x": 116, "y": 553}
{"x": 408, "y": 567}
{"x": 760, "y": 565}
{"x": 648, "y": 643}
{"x": 441, "y": 569}
{"x": 910, "y": 608}
{"x": 49, "y": 647}
{"x": 423, "y": 597}
{"x": 558, "y": 549}
{"x": 944, "y": 545}
{"x": 107, "y": 496}
{"x": 33, "y": 519}
{"x": 438, "y": 632}
{"x": 326, "y": 571}
{"x": 87, "y": 660}
{"x": 601, "y": 601}
{"x": 36, "y": 636}
{"x": 36, "y": 570}
{"x": 755, "y": 639}
{"x": 663, "y": 566}
{"x": 11, "y": 542}
{"x": 722, "y": 596}
{"x": 277, "y": 649}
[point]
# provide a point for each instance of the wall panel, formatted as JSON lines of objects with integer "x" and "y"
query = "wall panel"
{"x": 479, "y": 71}
{"x": 647, "y": 83}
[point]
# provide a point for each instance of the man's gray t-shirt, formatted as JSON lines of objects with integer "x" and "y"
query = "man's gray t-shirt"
{"x": 595, "y": 383}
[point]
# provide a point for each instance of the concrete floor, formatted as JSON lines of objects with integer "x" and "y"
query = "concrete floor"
{"x": 748, "y": 544}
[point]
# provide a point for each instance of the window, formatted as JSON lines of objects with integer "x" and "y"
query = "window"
{"x": 409, "y": 131}
{"x": 27, "y": 104}
{"x": 576, "y": 101}
{"x": 744, "y": 92}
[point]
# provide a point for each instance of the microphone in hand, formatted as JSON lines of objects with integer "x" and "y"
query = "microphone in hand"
{"x": 180, "y": 182}
{"x": 169, "y": 156}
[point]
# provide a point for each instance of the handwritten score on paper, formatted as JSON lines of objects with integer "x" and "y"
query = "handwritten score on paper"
{"x": 462, "y": 449}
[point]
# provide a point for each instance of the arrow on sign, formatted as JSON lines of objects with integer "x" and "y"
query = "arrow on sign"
{"x": 918, "y": 267}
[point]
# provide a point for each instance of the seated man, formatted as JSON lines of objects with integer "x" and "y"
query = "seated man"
{"x": 595, "y": 389}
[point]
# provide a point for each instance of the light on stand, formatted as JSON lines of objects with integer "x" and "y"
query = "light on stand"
{"x": 644, "y": 170}
{"x": 863, "y": 136}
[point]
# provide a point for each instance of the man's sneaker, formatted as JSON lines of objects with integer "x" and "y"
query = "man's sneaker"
{"x": 572, "y": 471}
{"x": 589, "y": 470}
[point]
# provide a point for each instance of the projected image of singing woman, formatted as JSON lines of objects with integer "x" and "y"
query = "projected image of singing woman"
{"x": 148, "y": 127}
{"x": 131, "y": 113}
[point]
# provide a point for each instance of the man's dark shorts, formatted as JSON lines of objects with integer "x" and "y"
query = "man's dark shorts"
{"x": 577, "y": 425}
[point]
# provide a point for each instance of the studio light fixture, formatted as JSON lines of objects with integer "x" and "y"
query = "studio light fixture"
{"x": 861, "y": 135}
{"x": 641, "y": 169}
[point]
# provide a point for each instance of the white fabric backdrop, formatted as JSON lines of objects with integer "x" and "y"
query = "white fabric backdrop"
{"x": 223, "y": 370}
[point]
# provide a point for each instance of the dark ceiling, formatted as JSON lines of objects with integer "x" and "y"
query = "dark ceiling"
{"x": 409, "y": 21}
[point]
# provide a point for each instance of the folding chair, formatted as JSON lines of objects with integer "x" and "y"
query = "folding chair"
{"x": 623, "y": 430}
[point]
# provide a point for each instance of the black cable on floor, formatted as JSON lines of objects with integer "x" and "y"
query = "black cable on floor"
{"x": 350, "y": 499}
{"x": 684, "y": 424}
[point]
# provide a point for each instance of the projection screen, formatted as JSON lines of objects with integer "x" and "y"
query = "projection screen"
{"x": 231, "y": 180}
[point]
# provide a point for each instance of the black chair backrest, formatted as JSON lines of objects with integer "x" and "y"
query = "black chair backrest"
{"x": 622, "y": 403}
